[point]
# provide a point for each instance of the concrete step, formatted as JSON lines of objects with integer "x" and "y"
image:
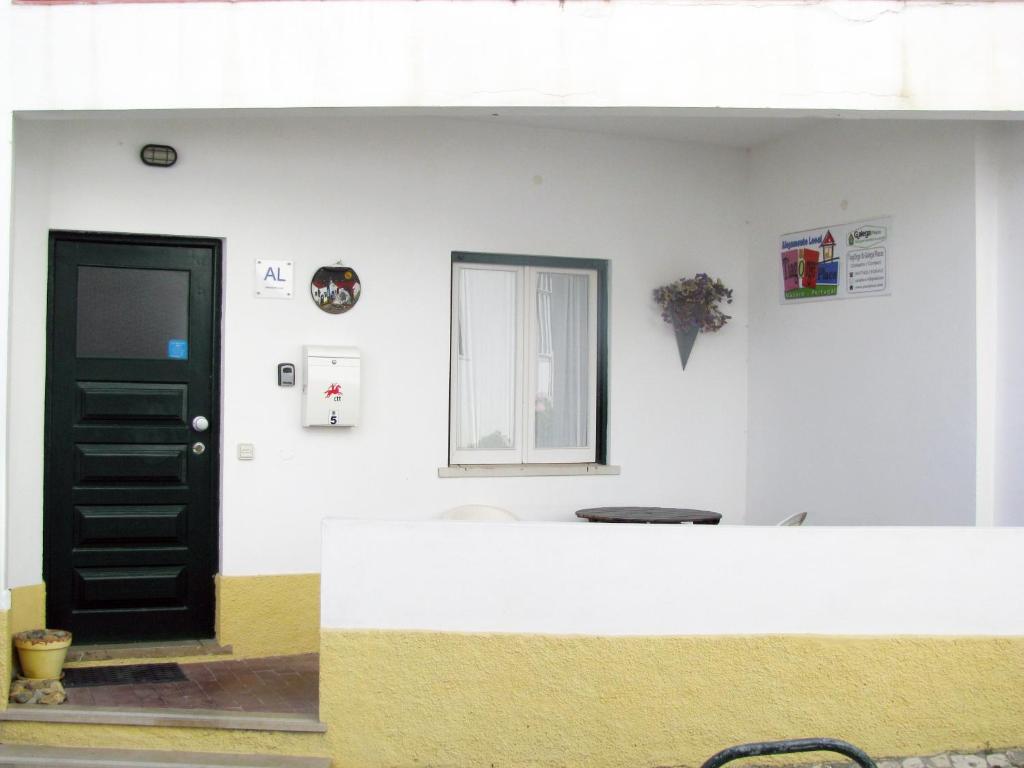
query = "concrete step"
{"x": 17, "y": 755}
{"x": 220, "y": 719}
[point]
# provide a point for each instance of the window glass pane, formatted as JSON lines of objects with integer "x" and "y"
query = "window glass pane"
{"x": 132, "y": 313}
{"x": 563, "y": 351}
{"x": 486, "y": 366}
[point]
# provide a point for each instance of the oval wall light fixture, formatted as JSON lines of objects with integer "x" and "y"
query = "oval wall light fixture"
{"x": 159, "y": 155}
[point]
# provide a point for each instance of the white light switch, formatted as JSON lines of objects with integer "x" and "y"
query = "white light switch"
{"x": 246, "y": 451}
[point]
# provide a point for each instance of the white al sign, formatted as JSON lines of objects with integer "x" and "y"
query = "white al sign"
{"x": 273, "y": 279}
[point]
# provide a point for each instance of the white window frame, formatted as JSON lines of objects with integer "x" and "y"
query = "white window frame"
{"x": 511, "y": 455}
{"x": 586, "y": 453}
{"x": 522, "y": 451}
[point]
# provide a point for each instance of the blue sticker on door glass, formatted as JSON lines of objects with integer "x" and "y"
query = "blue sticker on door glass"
{"x": 177, "y": 349}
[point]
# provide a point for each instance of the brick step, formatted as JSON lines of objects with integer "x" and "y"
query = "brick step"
{"x": 17, "y": 755}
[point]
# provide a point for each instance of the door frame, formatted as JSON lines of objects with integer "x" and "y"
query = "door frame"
{"x": 216, "y": 245}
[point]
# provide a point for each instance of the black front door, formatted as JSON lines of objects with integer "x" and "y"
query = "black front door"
{"x": 130, "y": 496}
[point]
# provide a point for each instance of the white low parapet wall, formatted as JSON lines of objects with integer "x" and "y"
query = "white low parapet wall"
{"x": 606, "y": 579}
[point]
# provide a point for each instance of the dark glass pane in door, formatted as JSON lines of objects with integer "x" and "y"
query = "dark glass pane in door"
{"x": 132, "y": 313}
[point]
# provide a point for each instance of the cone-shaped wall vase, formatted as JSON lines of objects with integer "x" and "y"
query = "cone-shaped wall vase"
{"x": 686, "y": 335}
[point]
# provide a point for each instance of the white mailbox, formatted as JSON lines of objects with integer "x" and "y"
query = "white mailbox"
{"x": 330, "y": 387}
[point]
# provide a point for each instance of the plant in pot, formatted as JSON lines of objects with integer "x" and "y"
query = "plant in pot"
{"x": 691, "y": 305}
{"x": 41, "y": 652}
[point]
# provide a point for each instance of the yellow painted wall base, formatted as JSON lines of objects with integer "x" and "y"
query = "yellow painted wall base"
{"x": 259, "y": 615}
{"x": 269, "y": 615}
{"x": 421, "y": 698}
{"x": 28, "y": 608}
{"x": 262, "y": 616}
{"x": 6, "y": 661}
{"x": 28, "y": 611}
{"x": 272, "y": 615}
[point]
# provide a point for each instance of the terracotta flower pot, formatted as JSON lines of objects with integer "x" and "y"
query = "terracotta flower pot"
{"x": 42, "y": 652}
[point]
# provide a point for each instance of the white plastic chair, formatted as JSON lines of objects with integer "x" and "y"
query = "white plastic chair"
{"x": 478, "y": 512}
{"x": 797, "y": 519}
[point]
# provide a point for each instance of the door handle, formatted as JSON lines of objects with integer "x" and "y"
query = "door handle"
{"x": 200, "y": 424}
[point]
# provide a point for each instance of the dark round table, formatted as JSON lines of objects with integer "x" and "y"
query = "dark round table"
{"x": 649, "y": 515}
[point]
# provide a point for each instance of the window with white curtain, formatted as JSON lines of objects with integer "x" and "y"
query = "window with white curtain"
{"x": 525, "y": 360}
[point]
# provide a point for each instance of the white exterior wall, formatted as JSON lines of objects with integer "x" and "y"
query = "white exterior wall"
{"x": 393, "y": 198}
{"x": 988, "y": 159}
{"x": 862, "y": 411}
{"x": 680, "y": 58}
{"x": 799, "y": 55}
{"x": 6, "y": 184}
{"x": 1008, "y": 340}
{"x": 590, "y": 579}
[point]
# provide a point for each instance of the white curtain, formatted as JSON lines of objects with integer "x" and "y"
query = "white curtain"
{"x": 562, "y": 404}
{"x": 487, "y": 328}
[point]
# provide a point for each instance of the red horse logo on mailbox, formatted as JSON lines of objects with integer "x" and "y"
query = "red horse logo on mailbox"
{"x": 332, "y": 391}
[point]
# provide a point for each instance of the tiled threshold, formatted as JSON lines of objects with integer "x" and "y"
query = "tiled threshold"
{"x": 170, "y": 718}
{"x": 280, "y": 684}
{"x": 91, "y": 655}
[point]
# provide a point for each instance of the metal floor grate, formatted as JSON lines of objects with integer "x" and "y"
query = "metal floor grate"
{"x": 130, "y": 674}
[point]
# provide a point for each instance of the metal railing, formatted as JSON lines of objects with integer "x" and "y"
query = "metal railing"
{"x": 787, "y": 747}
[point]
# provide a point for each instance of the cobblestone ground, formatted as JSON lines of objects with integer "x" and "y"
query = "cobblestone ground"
{"x": 1001, "y": 758}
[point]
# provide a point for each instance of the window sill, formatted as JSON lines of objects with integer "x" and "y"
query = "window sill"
{"x": 526, "y": 470}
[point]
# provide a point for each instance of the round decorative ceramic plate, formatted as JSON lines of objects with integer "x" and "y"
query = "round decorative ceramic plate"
{"x": 335, "y": 289}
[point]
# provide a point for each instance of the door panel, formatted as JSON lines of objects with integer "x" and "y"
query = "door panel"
{"x": 162, "y": 525}
{"x": 134, "y": 588}
{"x": 123, "y": 401}
{"x": 131, "y": 515}
{"x": 123, "y": 463}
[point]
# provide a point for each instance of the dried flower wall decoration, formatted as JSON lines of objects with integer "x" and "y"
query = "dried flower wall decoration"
{"x": 691, "y": 305}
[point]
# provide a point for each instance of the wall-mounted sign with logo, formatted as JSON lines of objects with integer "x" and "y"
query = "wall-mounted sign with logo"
{"x": 836, "y": 261}
{"x": 273, "y": 279}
